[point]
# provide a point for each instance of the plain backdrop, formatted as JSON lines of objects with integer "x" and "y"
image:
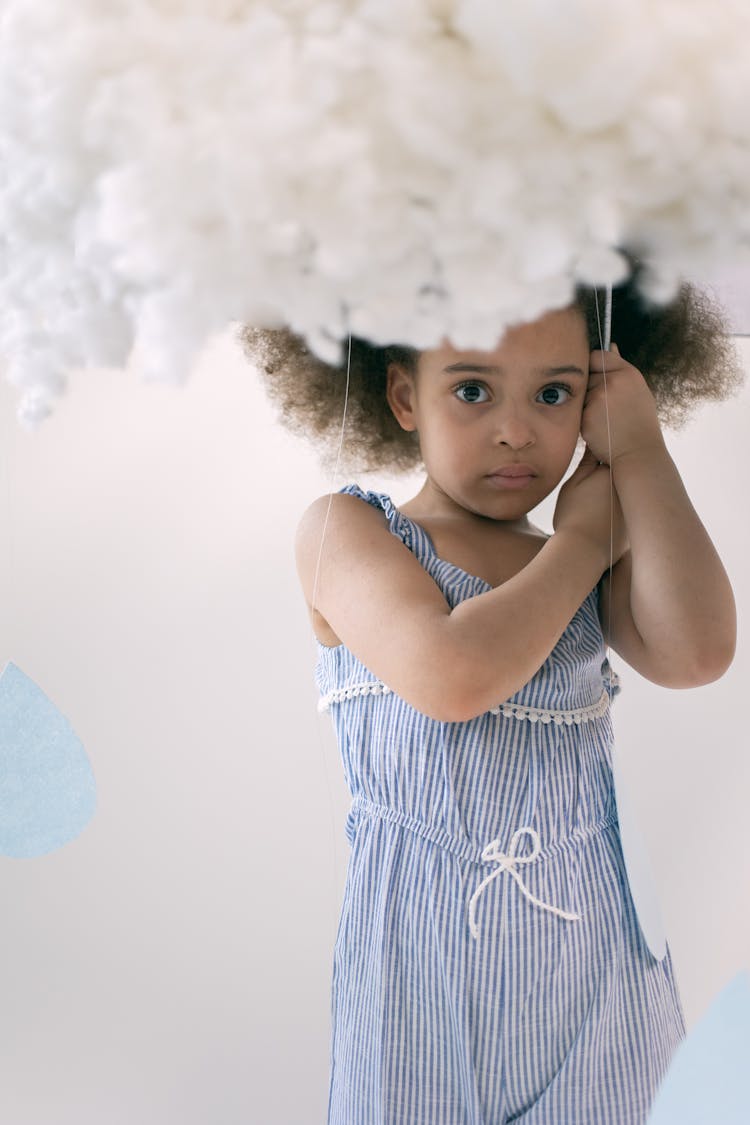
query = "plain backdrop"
{"x": 172, "y": 965}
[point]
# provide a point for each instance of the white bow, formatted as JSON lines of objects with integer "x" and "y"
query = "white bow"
{"x": 508, "y": 863}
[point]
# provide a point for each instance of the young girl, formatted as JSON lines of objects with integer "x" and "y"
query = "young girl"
{"x": 489, "y": 965}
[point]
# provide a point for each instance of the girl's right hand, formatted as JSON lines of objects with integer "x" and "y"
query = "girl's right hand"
{"x": 588, "y": 504}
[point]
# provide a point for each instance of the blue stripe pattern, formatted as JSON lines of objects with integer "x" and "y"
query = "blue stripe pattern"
{"x": 540, "y": 1019}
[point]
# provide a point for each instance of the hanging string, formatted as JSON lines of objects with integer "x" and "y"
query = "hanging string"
{"x": 331, "y": 483}
{"x": 333, "y": 478}
{"x": 605, "y": 339}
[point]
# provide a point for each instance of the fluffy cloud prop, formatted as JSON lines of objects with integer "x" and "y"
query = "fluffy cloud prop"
{"x": 401, "y": 169}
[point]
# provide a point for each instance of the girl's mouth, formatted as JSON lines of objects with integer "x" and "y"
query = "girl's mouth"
{"x": 513, "y": 475}
{"x": 502, "y": 481}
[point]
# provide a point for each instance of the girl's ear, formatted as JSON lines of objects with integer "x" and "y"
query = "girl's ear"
{"x": 400, "y": 394}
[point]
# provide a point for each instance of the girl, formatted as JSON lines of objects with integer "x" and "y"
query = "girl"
{"x": 489, "y": 965}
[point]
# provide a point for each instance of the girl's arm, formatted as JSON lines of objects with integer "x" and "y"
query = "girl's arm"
{"x": 672, "y": 607}
{"x": 450, "y": 664}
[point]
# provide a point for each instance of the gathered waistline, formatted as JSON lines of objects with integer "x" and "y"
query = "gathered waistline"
{"x": 465, "y": 849}
{"x": 505, "y": 858}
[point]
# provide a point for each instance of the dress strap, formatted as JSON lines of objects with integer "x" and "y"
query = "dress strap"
{"x": 411, "y": 534}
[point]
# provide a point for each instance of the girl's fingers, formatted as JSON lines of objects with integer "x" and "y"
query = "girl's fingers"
{"x": 610, "y": 359}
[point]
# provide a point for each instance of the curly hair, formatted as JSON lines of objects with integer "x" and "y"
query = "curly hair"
{"x": 683, "y": 350}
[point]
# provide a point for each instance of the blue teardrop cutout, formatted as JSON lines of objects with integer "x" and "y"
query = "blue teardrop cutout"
{"x": 708, "y": 1080}
{"x": 47, "y": 787}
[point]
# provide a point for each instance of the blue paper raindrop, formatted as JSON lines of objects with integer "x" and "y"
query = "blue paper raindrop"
{"x": 47, "y": 787}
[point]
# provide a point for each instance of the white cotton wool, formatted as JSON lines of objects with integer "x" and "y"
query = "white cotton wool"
{"x": 404, "y": 169}
{"x": 566, "y": 55}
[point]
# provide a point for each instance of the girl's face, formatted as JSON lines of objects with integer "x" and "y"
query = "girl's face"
{"x": 477, "y": 412}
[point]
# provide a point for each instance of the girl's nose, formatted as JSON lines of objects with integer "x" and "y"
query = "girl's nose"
{"x": 512, "y": 429}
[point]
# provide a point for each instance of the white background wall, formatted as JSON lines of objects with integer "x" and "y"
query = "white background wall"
{"x": 172, "y": 965}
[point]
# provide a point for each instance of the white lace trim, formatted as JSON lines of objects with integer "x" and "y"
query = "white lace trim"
{"x": 546, "y": 715}
{"x": 509, "y": 710}
{"x": 368, "y": 687}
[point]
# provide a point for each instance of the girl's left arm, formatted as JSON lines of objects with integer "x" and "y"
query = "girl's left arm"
{"x": 670, "y": 602}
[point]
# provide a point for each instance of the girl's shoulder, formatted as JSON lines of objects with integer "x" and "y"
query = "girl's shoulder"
{"x": 353, "y": 502}
{"x": 360, "y": 578}
{"x": 346, "y": 505}
{"x": 346, "y": 526}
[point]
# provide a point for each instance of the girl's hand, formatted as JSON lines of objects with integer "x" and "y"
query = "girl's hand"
{"x": 588, "y": 504}
{"x": 633, "y": 422}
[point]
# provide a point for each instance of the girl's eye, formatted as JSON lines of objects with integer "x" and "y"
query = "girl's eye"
{"x": 472, "y": 392}
{"x": 555, "y": 388}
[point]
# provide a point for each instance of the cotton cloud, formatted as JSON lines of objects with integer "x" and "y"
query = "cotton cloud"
{"x": 401, "y": 170}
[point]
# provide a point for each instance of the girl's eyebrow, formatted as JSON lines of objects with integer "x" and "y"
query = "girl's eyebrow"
{"x": 479, "y": 369}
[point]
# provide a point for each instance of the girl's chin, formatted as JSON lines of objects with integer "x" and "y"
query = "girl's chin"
{"x": 488, "y": 498}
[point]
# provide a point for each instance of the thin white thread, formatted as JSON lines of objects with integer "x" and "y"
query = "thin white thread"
{"x": 313, "y": 600}
{"x": 508, "y": 862}
{"x": 604, "y": 344}
{"x": 331, "y": 482}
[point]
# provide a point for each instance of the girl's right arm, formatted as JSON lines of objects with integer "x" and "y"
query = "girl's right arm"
{"x": 451, "y": 664}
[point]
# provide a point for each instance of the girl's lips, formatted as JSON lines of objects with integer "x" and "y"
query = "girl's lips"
{"x": 512, "y": 476}
{"x": 506, "y": 480}
{"x": 516, "y": 470}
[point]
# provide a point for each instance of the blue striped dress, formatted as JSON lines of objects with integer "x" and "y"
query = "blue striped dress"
{"x": 489, "y": 966}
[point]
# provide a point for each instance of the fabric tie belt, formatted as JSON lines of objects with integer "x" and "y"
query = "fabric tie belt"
{"x": 465, "y": 849}
{"x": 492, "y": 854}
